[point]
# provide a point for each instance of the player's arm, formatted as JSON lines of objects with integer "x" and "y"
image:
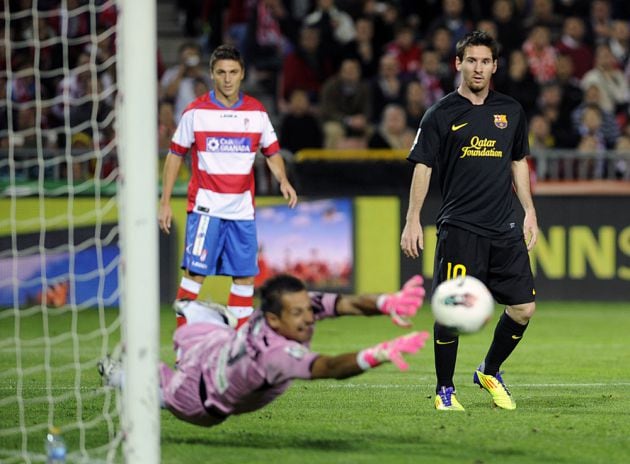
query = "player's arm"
{"x": 520, "y": 176}
{"x": 172, "y": 165}
{"x": 412, "y": 240}
{"x": 276, "y": 166}
{"x": 399, "y": 306}
{"x": 351, "y": 364}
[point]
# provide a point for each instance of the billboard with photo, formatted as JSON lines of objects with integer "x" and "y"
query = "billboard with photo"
{"x": 314, "y": 241}
{"x": 78, "y": 267}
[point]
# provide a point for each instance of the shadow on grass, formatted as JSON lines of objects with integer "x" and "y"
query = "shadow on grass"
{"x": 237, "y": 441}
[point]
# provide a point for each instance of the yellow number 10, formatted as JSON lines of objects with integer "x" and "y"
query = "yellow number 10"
{"x": 456, "y": 270}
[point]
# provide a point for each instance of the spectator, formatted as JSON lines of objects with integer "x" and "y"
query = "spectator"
{"x": 599, "y": 26}
{"x": 345, "y": 105}
{"x": 549, "y": 103}
{"x": 305, "y": 68}
{"x": 393, "y": 132}
{"x": 540, "y": 140}
{"x": 405, "y": 49}
{"x": 442, "y": 43}
{"x": 540, "y": 136}
{"x": 267, "y": 40}
{"x": 621, "y": 165}
{"x": 510, "y": 33}
{"x": 541, "y": 56}
{"x": 300, "y": 128}
{"x": 166, "y": 125}
{"x": 570, "y": 86}
{"x": 336, "y": 26}
{"x": 200, "y": 87}
{"x": 387, "y": 87}
{"x": 387, "y": 20}
{"x": 592, "y": 141}
{"x": 178, "y": 81}
{"x": 435, "y": 86}
{"x": 452, "y": 18}
{"x": 4, "y": 114}
{"x": 619, "y": 41}
{"x": 50, "y": 52}
{"x": 592, "y": 97}
{"x": 90, "y": 106}
{"x": 572, "y": 44}
{"x": 613, "y": 86}
{"x": 362, "y": 47}
{"x": 542, "y": 14}
{"x": 519, "y": 82}
{"x": 415, "y": 103}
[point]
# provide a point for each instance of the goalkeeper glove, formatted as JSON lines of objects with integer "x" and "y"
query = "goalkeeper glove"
{"x": 392, "y": 351}
{"x": 404, "y": 304}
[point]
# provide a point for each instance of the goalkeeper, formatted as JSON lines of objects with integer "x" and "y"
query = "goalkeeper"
{"x": 224, "y": 372}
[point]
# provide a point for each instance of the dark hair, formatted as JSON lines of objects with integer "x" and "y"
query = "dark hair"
{"x": 226, "y": 52}
{"x": 477, "y": 38}
{"x": 273, "y": 289}
{"x": 189, "y": 44}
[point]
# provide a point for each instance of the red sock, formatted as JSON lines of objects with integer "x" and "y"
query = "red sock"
{"x": 188, "y": 290}
{"x": 241, "y": 302}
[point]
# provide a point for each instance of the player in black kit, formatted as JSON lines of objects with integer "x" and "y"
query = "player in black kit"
{"x": 476, "y": 140}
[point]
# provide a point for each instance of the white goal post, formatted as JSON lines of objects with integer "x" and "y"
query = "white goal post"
{"x": 79, "y": 256}
{"x": 138, "y": 154}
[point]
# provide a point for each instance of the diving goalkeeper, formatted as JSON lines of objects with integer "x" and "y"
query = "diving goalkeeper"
{"x": 224, "y": 372}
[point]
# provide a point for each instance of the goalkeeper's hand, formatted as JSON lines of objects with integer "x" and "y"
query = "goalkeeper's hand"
{"x": 392, "y": 351}
{"x": 404, "y": 304}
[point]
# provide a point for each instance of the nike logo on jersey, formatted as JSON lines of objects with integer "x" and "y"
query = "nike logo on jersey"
{"x": 516, "y": 337}
{"x": 440, "y": 342}
{"x": 458, "y": 126}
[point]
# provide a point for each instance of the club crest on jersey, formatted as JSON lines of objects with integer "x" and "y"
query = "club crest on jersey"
{"x": 228, "y": 144}
{"x": 500, "y": 120}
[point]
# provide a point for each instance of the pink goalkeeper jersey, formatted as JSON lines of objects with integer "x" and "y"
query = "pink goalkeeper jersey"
{"x": 223, "y": 143}
{"x": 242, "y": 370}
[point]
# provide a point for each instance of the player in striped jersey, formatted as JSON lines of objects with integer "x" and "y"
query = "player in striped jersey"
{"x": 221, "y": 132}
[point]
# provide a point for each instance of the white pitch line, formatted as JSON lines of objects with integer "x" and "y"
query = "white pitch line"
{"x": 526, "y": 385}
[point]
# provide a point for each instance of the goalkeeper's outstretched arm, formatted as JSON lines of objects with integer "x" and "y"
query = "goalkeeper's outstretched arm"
{"x": 351, "y": 364}
{"x": 399, "y": 306}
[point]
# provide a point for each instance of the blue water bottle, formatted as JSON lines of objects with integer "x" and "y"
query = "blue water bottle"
{"x": 55, "y": 447}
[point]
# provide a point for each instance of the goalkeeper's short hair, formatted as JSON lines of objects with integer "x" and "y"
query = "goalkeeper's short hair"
{"x": 273, "y": 289}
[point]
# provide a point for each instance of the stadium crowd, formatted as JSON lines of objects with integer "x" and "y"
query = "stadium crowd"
{"x": 334, "y": 73}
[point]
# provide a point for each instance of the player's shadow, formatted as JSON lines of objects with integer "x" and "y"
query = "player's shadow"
{"x": 236, "y": 441}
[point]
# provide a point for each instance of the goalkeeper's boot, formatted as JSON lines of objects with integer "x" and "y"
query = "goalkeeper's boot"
{"x": 445, "y": 400}
{"x": 111, "y": 371}
{"x": 494, "y": 385}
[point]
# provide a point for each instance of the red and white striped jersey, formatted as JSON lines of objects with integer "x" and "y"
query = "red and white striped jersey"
{"x": 223, "y": 143}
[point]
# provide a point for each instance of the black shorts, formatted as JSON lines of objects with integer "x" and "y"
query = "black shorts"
{"x": 501, "y": 263}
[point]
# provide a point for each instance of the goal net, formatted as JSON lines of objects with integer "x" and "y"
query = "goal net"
{"x": 78, "y": 230}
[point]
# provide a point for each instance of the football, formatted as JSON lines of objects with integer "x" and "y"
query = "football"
{"x": 463, "y": 304}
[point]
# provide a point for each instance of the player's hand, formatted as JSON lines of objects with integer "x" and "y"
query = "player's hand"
{"x": 530, "y": 229}
{"x": 392, "y": 351}
{"x": 404, "y": 304}
{"x": 165, "y": 216}
{"x": 412, "y": 240}
{"x": 288, "y": 192}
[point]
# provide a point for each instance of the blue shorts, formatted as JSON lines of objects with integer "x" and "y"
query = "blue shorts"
{"x": 216, "y": 246}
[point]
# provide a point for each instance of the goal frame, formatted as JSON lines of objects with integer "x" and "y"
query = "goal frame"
{"x": 138, "y": 153}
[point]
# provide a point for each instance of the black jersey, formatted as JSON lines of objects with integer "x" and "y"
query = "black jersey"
{"x": 471, "y": 147}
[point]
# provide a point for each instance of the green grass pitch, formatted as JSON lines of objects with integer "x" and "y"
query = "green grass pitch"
{"x": 570, "y": 377}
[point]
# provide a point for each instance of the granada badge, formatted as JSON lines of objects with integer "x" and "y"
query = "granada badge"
{"x": 500, "y": 120}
